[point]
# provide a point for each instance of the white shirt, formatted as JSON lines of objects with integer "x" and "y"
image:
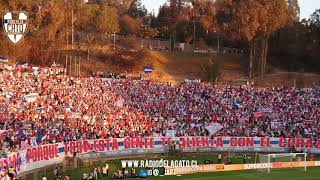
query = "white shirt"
{"x": 104, "y": 170}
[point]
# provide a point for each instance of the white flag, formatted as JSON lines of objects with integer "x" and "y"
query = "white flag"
{"x": 120, "y": 102}
{"x": 31, "y": 97}
{"x": 214, "y": 128}
{"x": 34, "y": 141}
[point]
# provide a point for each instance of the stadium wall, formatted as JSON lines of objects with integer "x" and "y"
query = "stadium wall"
{"x": 39, "y": 156}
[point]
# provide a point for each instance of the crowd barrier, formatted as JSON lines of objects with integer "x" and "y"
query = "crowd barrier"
{"x": 40, "y": 156}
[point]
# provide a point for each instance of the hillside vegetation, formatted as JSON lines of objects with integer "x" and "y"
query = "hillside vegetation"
{"x": 176, "y": 66}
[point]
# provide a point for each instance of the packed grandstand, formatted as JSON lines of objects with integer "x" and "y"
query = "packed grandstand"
{"x": 84, "y": 118}
{"x": 44, "y": 106}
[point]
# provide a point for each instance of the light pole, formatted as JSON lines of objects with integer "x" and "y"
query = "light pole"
{"x": 194, "y": 27}
{"x": 114, "y": 40}
{"x": 72, "y": 26}
{"x": 218, "y": 44}
{"x": 194, "y": 34}
{"x": 66, "y": 71}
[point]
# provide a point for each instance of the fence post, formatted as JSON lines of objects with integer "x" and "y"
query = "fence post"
{"x": 64, "y": 164}
{"x": 75, "y": 162}
{"x": 35, "y": 176}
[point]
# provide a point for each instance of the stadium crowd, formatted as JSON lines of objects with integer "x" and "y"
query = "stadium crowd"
{"x": 46, "y": 106}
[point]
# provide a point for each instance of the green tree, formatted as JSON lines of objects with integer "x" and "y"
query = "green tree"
{"x": 121, "y": 6}
{"x": 254, "y": 21}
{"x": 171, "y": 14}
{"x": 240, "y": 21}
{"x": 273, "y": 16}
{"x": 211, "y": 70}
{"x": 130, "y": 25}
{"x": 293, "y": 10}
{"x": 314, "y": 21}
{"x": 137, "y": 9}
{"x": 183, "y": 30}
{"x": 314, "y": 26}
{"x": 107, "y": 20}
{"x": 45, "y": 32}
{"x": 204, "y": 14}
{"x": 148, "y": 32}
{"x": 86, "y": 21}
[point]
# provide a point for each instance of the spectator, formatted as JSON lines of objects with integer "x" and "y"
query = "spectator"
{"x": 85, "y": 176}
{"x": 56, "y": 172}
{"x": 105, "y": 170}
{"x": 95, "y": 174}
{"x": 244, "y": 158}
{"x": 46, "y": 107}
{"x": 219, "y": 158}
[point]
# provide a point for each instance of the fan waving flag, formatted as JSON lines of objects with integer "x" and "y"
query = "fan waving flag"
{"x": 31, "y": 97}
{"x": 9, "y": 95}
{"x": 214, "y": 128}
{"x": 236, "y": 105}
{"x": 2, "y": 133}
{"x": 120, "y": 102}
{"x": 306, "y": 121}
{"x": 25, "y": 145}
{"x": 4, "y": 59}
{"x": 266, "y": 110}
{"x": 148, "y": 69}
{"x": 69, "y": 108}
{"x": 275, "y": 125}
{"x": 258, "y": 114}
{"x": 33, "y": 141}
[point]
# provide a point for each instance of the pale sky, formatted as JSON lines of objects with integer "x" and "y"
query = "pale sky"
{"x": 153, "y": 4}
{"x": 307, "y": 7}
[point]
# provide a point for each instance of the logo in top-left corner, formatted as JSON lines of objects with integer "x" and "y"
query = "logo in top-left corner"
{"x": 15, "y": 26}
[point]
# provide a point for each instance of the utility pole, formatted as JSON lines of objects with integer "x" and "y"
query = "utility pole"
{"x": 194, "y": 34}
{"x": 250, "y": 65}
{"x": 194, "y": 29}
{"x": 72, "y": 26}
{"x": 70, "y": 72}
{"x": 170, "y": 43}
{"x": 114, "y": 40}
{"x": 67, "y": 39}
{"x": 79, "y": 66}
{"x": 66, "y": 24}
{"x": 218, "y": 44}
{"x": 66, "y": 71}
